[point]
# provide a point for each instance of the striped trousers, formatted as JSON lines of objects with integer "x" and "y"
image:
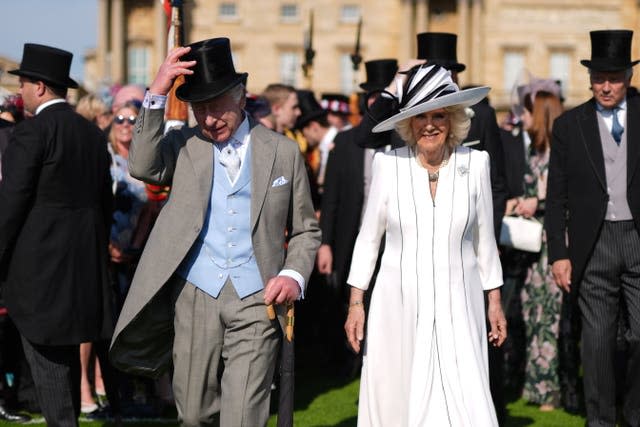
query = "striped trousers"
{"x": 612, "y": 273}
{"x": 56, "y": 375}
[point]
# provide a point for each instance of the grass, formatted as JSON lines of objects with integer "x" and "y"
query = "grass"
{"x": 323, "y": 399}
{"x": 337, "y": 407}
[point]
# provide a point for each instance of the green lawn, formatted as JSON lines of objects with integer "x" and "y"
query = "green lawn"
{"x": 323, "y": 400}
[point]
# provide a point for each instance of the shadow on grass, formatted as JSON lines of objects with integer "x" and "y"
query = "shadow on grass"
{"x": 350, "y": 422}
{"x": 518, "y": 421}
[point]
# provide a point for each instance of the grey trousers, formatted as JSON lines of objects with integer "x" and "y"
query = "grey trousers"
{"x": 56, "y": 375}
{"x": 224, "y": 356}
{"x": 612, "y": 272}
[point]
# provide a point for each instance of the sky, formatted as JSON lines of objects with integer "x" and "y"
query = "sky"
{"x": 66, "y": 24}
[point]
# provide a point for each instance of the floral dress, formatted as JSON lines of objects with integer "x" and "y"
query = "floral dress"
{"x": 541, "y": 303}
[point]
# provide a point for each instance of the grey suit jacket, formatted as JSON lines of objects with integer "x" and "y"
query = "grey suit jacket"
{"x": 183, "y": 159}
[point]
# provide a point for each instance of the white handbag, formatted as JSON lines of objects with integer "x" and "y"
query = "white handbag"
{"x": 521, "y": 233}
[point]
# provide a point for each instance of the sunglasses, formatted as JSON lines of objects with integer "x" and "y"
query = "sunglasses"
{"x": 120, "y": 119}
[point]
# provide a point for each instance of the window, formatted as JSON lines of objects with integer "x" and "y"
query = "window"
{"x": 559, "y": 68}
{"x": 138, "y": 64}
{"x": 289, "y": 65}
{"x": 289, "y": 12}
{"x": 346, "y": 73}
{"x": 513, "y": 65}
{"x": 350, "y": 13}
{"x": 228, "y": 10}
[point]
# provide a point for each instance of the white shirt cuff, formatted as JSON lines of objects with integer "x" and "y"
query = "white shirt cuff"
{"x": 154, "y": 102}
{"x": 295, "y": 276}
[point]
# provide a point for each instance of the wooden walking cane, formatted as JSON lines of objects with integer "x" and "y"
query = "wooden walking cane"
{"x": 176, "y": 111}
{"x": 287, "y": 371}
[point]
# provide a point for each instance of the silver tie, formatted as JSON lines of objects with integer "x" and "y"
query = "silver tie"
{"x": 230, "y": 159}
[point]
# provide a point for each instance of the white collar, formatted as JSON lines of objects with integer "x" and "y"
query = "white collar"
{"x": 50, "y": 102}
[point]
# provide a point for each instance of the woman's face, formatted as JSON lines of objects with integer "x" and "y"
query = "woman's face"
{"x": 431, "y": 130}
{"x": 123, "y": 126}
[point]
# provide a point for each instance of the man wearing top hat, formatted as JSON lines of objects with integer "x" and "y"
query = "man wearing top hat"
{"x": 56, "y": 203}
{"x": 347, "y": 181}
{"x": 217, "y": 254}
{"x": 593, "y": 222}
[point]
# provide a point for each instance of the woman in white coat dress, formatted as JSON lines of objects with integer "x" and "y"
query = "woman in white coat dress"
{"x": 425, "y": 360}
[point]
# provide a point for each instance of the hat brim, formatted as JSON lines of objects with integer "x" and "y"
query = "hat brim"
{"x": 198, "y": 93}
{"x": 370, "y": 87}
{"x": 604, "y": 65}
{"x": 309, "y": 117}
{"x": 463, "y": 98}
{"x": 68, "y": 82}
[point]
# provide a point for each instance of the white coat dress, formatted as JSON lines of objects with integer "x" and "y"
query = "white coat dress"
{"x": 425, "y": 358}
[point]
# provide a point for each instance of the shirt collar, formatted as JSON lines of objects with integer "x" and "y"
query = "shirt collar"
{"x": 622, "y": 106}
{"x": 241, "y": 136}
{"x": 50, "y": 102}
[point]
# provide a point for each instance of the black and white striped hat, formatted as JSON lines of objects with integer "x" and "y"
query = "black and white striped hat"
{"x": 428, "y": 88}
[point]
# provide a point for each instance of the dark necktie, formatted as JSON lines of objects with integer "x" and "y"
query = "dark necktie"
{"x": 616, "y": 127}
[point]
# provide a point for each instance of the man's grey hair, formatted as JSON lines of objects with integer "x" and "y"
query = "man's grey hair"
{"x": 627, "y": 73}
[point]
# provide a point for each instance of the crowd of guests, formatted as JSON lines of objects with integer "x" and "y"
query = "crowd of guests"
{"x": 408, "y": 184}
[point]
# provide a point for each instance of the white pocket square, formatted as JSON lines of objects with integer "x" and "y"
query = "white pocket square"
{"x": 279, "y": 181}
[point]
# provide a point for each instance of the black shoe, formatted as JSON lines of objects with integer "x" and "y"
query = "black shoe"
{"x": 12, "y": 417}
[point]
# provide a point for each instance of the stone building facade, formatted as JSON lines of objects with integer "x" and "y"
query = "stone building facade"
{"x": 500, "y": 41}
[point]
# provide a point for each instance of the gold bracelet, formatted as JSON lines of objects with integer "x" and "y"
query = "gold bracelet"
{"x": 355, "y": 303}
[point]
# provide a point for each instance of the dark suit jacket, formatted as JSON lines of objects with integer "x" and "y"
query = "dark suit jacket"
{"x": 483, "y": 135}
{"x": 577, "y": 191}
{"x": 514, "y": 162}
{"x": 56, "y": 210}
{"x": 342, "y": 201}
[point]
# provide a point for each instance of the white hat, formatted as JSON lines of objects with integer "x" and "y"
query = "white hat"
{"x": 428, "y": 88}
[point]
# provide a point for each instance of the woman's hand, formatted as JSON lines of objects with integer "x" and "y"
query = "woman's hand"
{"x": 527, "y": 207}
{"x": 498, "y": 322}
{"x": 354, "y": 326}
{"x": 511, "y": 206}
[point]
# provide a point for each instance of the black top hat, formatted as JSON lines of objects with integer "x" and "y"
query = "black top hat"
{"x": 440, "y": 48}
{"x": 610, "y": 50}
{"x": 380, "y": 73}
{"x": 310, "y": 108}
{"x": 335, "y": 103}
{"x": 213, "y": 74}
{"x": 49, "y": 64}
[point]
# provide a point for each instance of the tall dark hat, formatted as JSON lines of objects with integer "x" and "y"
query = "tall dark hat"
{"x": 335, "y": 103}
{"x": 380, "y": 73}
{"x": 610, "y": 51}
{"x": 213, "y": 74}
{"x": 310, "y": 108}
{"x": 440, "y": 48}
{"x": 49, "y": 64}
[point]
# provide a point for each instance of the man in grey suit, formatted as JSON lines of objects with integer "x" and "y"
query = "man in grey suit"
{"x": 237, "y": 233}
{"x": 593, "y": 223}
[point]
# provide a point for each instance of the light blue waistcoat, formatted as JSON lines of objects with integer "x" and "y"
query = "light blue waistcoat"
{"x": 224, "y": 248}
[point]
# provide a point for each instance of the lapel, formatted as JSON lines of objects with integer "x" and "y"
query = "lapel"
{"x": 633, "y": 147}
{"x": 263, "y": 148}
{"x": 590, "y": 136}
{"x": 201, "y": 155}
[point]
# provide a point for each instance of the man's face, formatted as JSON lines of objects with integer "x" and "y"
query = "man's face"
{"x": 609, "y": 87}
{"x": 311, "y": 132}
{"x": 220, "y": 117}
{"x": 288, "y": 112}
{"x": 28, "y": 91}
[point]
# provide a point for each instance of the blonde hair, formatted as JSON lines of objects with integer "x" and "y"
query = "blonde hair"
{"x": 458, "y": 130}
{"x": 90, "y": 107}
{"x": 112, "y": 134}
